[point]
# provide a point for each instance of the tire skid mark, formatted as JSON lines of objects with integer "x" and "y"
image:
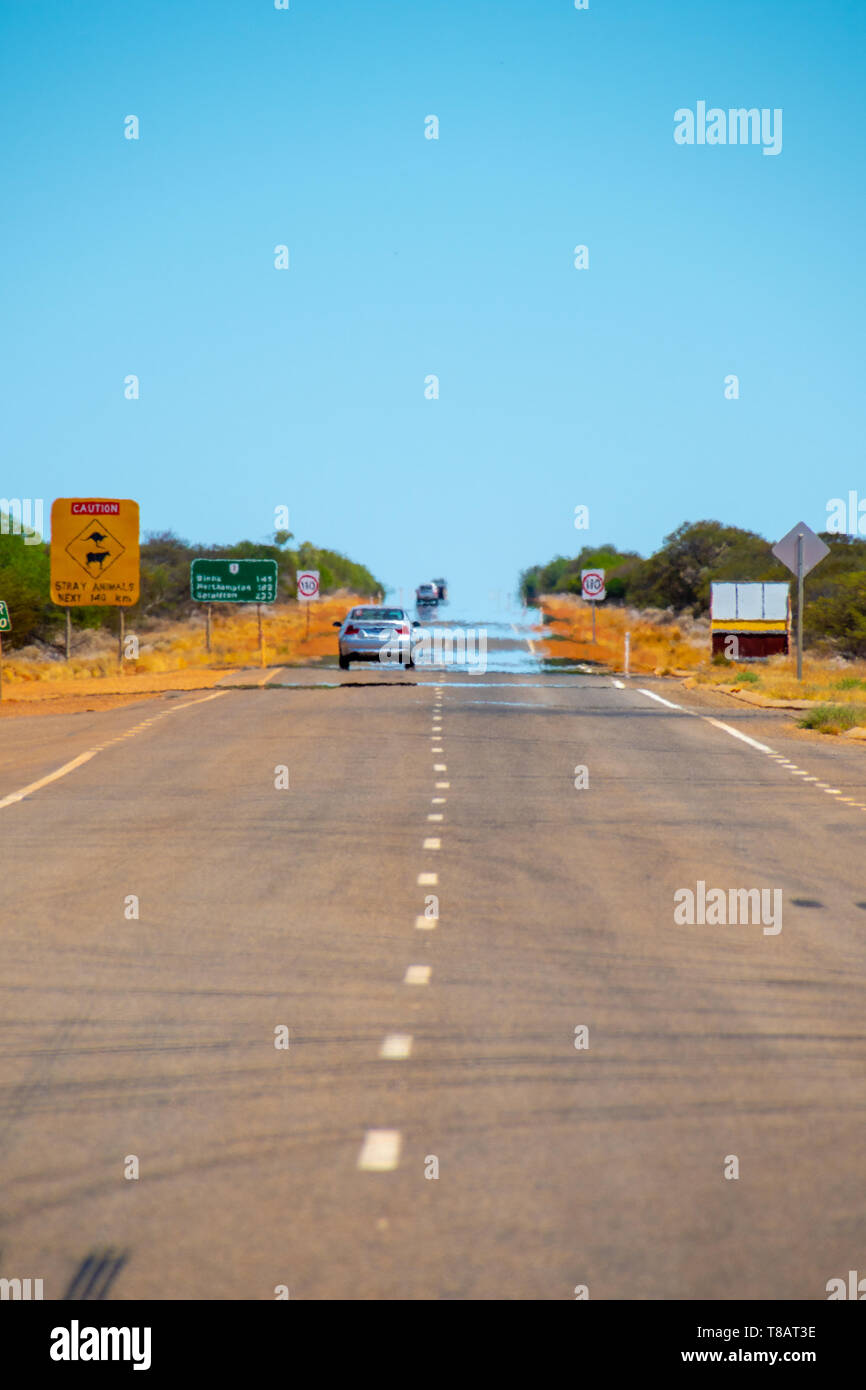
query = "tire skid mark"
{"x": 95, "y": 1275}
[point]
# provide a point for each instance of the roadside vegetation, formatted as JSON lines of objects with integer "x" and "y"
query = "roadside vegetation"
{"x": 165, "y": 593}
{"x": 174, "y": 655}
{"x": 659, "y": 644}
{"x": 677, "y": 579}
{"x": 834, "y": 719}
{"x": 663, "y": 645}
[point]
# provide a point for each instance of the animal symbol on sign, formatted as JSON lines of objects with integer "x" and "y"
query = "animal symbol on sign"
{"x": 97, "y": 557}
{"x": 97, "y": 537}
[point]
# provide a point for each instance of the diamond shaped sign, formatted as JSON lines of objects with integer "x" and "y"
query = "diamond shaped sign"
{"x": 814, "y": 548}
{"x": 95, "y": 548}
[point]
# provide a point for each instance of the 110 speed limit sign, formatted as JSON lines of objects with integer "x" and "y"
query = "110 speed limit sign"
{"x": 592, "y": 585}
{"x": 308, "y": 585}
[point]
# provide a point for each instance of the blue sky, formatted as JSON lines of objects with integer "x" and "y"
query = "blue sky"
{"x": 409, "y": 256}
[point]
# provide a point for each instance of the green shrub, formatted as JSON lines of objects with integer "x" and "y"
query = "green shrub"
{"x": 834, "y": 719}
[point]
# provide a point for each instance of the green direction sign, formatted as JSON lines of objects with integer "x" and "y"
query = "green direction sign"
{"x": 5, "y": 620}
{"x": 233, "y": 581}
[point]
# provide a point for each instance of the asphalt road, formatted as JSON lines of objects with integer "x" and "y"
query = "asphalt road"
{"x": 263, "y": 907}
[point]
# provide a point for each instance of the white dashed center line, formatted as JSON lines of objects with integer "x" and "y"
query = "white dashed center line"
{"x": 432, "y": 844}
{"x": 424, "y": 879}
{"x": 396, "y": 1046}
{"x": 380, "y": 1151}
{"x": 417, "y": 975}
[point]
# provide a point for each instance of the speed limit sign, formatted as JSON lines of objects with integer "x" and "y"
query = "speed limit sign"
{"x": 308, "y": 585}
{"x": 592, "y": 585}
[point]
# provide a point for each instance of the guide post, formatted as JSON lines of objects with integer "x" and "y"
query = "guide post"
{"x": 5, "y": 626}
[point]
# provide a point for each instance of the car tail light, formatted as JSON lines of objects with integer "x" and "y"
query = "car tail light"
{"x": 402, "y": 630}
{"x": 351, "y": 631}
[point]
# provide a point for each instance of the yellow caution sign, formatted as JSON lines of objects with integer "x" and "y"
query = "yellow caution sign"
{"x": 94, "y": 552}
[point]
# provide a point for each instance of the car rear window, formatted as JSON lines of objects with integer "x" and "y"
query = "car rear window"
{"x": 378, "y": 615}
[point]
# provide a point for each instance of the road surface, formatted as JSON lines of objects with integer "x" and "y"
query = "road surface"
{"x": 149, "y": 1040}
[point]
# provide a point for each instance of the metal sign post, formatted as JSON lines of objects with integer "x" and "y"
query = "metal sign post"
{"x": 801, "y": 550}
{"x": 68, "y": 632}
{"x": 308, "y": 591}
{"x": 5, "y": 626}
{"x": 593, "y": 591}
{"x": 800, "y": 606}
{"x": 234, "y": 581}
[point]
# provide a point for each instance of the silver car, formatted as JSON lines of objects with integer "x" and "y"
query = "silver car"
{"x": 376, "y": 634}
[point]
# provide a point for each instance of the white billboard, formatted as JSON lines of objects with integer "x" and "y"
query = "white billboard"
{"x": 749, "y": 602}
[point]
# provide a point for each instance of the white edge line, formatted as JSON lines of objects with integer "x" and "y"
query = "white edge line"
{"x": 735, "y": 733}
{"x": 52, "y": 777}
{"x": 716, "y": 723}
{"x": 662, "y": 701}
{"x": 85, "y": 757}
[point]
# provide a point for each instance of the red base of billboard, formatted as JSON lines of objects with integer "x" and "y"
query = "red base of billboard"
{"x": 751, "y": 643}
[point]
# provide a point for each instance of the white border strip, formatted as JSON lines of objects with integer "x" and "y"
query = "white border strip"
{"x": 92, "y": 752}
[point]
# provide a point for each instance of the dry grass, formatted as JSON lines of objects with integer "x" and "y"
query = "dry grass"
{"x": 658, "y": 645}
{"x": 834, "y": 719}
{"x": 173, "y": 656}
{"x": 828, "y": 680}
{"x": 664, "y": 646}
